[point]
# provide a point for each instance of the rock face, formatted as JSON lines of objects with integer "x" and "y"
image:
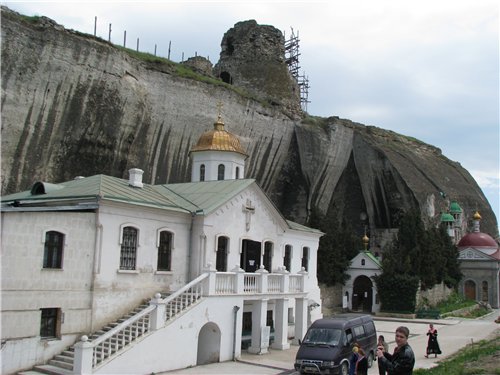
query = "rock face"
{"x": 76, "y": 105}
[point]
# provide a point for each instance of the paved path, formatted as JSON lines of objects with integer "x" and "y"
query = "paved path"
{"x": 453, "y": 334}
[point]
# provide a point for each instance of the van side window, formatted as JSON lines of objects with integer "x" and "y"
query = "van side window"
{"x": 369, "y": 328}
{"x": 348, "y": 336}
{"x": 359, "y": 331}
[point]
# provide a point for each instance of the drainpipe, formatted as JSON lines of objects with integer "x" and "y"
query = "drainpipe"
{"x": 190, "y": 244}
{"x": 235, "y": 310}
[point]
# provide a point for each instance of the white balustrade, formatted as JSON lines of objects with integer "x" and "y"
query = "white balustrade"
{"x": 274, "y": 283}
{"x": 250, "y": 283}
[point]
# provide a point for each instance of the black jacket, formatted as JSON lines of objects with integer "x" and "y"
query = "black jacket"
{"x": 400, "y": 363}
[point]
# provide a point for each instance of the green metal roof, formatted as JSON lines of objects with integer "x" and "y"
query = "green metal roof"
{"x": 99, "y": 187}
{"x": 303, "y": 228}
{"x": 445, "y": 217}
{"x": 202, "y": 197}
{"x": 206, "y": 196}
{"x": 455, "y": 208}
{"x": 369, "y": 254}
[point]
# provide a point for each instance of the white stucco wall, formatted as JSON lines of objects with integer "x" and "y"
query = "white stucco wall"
{"x": 27, "y": 287}
{"x": 116, "y": 291}
{"x": 175, "y": 346}
{"x": 212, "y": 159}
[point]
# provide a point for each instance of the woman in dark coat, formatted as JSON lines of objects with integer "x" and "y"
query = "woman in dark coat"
{"x": 432, "y": 343}
{"x": 362, "y": 363}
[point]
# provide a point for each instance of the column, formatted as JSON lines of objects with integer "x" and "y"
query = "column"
{"x": 281, "y": 325}
{"x": 260, "y": 343}
{"x": 300, "y": 319}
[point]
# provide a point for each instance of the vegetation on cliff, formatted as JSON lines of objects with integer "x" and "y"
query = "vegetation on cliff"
{"x": 417, "y": 256}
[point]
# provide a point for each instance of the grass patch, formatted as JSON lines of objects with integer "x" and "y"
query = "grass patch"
{"x": 479, "y": 358}
{"x": 454, "y": 302}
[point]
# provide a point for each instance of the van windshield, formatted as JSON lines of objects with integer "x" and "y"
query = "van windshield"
{"x": 325, "y": 336}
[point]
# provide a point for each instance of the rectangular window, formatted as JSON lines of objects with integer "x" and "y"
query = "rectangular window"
{"x": 128, "y": 251}
{"x": 288, "y": 258}
{"x": 165, "y": 251}
{"x": 221, "y": 256}
{"x": 268, "y": 255}
{"x": 50, "y": 323}
{"x": 53, "y": 250}
{"x": 305, "y": 258}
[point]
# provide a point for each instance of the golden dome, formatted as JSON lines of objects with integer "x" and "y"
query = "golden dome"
{"x": 219, "y": 139}
{"x": 366, "y": 241}
{"x": 477, "y": 216}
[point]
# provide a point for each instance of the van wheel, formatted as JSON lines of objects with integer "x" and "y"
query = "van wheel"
{"x": 370, "y": 360}
{"x": 344, "y": 370}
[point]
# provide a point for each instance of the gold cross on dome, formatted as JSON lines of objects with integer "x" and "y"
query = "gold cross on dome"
{"x": 219, "y": 109}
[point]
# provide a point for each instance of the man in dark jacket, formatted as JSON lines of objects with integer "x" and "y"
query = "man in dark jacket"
{"x": 401, "y": 362}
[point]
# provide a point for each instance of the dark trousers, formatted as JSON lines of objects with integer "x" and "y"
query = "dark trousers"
{"x": 381, "y": 368}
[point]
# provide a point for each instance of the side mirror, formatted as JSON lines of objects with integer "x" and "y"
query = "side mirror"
{"x": 300, "y": 342}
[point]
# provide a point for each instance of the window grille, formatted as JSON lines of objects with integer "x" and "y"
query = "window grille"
{"x": 53, "y": 251}
{"x": 128, "y": 249}
{"x": 49, "y": 323}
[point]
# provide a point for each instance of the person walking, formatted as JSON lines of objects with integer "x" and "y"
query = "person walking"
{"x": 402, "y": 361}
{"x": 362, "y": 363}
{"x": 432, "y": 342}
{"x": 383, "y": 344}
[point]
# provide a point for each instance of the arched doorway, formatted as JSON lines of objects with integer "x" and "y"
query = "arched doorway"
{"x": 470, "y": 290}
{"x": 362, "y": 294}
{"x": 208, "y": 344}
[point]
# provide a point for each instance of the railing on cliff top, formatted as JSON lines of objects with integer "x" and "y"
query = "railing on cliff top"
{"x": 90, "y": 355}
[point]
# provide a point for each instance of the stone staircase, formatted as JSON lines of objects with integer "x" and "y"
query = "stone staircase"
{"x": 62, "y": 364}
{"x": 118, "y": 335}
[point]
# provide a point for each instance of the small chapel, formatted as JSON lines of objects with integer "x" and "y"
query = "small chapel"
{"x": 113, "y": 276}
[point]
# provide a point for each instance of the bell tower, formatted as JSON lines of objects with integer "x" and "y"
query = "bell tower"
{"x": 217, "y": 155}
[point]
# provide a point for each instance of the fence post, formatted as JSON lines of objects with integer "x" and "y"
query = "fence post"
{"x": 212, "y": 274}
{"x": 158, "y": 316}
{"x": 304, "y": 274}
{"x": 239, "y": 274}
{"x": 262, "y": 272}
{"x": 285, "y": 282}
{"x": 84, "y": 350}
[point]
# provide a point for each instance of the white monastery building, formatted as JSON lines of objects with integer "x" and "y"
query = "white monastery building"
{"x": 113, "y": 276}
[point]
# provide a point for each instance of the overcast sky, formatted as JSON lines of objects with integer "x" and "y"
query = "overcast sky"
{"x": 426, "y": 69}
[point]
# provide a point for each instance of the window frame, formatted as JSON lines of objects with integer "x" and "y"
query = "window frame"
{"x": 221, "y": 172}
{"x": 305, "y": 259}
{"x": 121, "y": 268}
{"x": 60, "y": 250}
{"x": 170, "y": 250}
{"x": 202, "y": 172}
{"x": 226, "y": 252}
{"x": 287, "y": 261}
{"x": 51, "y": 313}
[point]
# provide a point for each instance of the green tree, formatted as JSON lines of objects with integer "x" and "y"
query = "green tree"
{"x": 336, "y": 248}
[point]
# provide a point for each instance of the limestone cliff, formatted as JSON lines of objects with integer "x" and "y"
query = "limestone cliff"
{"x": 76, "y": 105}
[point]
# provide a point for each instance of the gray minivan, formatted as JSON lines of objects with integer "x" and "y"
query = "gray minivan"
{"x": 327, "y": 345}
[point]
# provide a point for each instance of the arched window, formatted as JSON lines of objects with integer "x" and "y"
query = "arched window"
{"x": 128, "y": 252}
{"x": 221, "y": 172}
{"x": 485, "y": 291}
{"x": 362, "y": 262}
{"x": 165, "y": 251}
{"x": 202, "y": 172}
{"x": 53, "y": 250}
{"x": 288, "y": 258}
{"x": 305, "y": 258}
{"x": 222, "y": 250}
{"x": 237, "y": 173}
{"x": 268, "y": 255}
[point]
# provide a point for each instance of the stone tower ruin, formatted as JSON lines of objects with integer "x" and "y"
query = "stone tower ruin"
{"x": 253, "y": 57}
